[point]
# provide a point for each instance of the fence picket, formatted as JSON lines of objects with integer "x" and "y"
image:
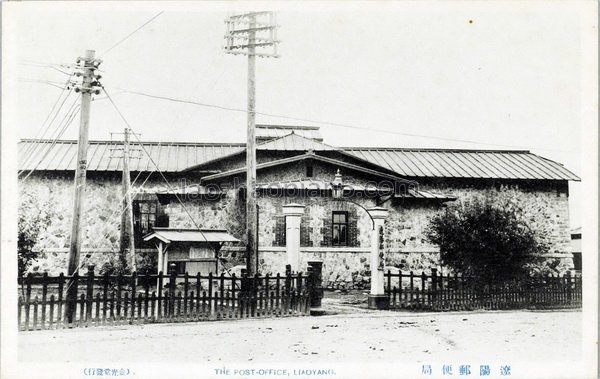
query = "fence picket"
{"x": 81, "y": 304}
{"x": 185, "y": 294}
{"x": 35, "y": 313}
{"x": 44, "y": 294}
{"x": 20, "y": 304}
{"x": 51, "y": 313}
{"x": 97, "y": 321}
{"x": 458, "y": 292}
{"x": 153, "y": 303}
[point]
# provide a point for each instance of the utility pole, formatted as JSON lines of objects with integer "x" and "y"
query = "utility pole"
{"x": 127, "y": 196}
{"x": 245, "y": 33}
{"x": 88, "y": 86}
{"x": 127, "y": 241}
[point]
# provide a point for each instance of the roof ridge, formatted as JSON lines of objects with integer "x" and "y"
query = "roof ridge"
{"x": 425, "y": 149}
{"x": 300, "y": 127}
{"x": 163, "y": 143}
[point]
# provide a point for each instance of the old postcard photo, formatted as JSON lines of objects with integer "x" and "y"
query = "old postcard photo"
{"x": 294, "y": 190}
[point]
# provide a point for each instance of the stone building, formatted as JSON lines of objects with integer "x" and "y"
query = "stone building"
{"x": 206, "y": 190}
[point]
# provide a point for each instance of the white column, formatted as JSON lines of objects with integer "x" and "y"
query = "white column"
{"x": 293, "y": 214}
{"x": 378, "y": 214}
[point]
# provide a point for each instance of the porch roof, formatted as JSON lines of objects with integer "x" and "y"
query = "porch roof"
{"x": 320, "y": 185}
{"x": 168, "y": 235}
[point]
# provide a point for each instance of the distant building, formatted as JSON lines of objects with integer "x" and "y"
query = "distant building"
{"x": 294, "y": 166}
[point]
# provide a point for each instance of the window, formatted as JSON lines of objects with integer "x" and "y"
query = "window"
{"x": 339, "y": 229}
{"x": 577, "y": 261}
{"x": 179, "y": 267}
{"x": 309, "y": 169}
{"x": 145, "y": 213}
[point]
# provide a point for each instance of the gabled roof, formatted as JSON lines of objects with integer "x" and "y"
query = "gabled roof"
{"x": 289, "y": 142}
{"x": 106, "y": 155}
{"x": 448, "y": 163}
{"x": 267, "y": 132}
{"x": 295, "y": 142}
{"x": 413, "y": 163}
{"x": 168, "y": 235}
{"x": 296, "y": 158}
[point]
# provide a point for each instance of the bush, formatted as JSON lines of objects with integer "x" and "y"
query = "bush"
{"x": 115, "y": 266}
{"x": 486, "y": 238}
{"x": 34, "y": 217}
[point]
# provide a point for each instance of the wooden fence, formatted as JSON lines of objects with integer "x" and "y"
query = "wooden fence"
{"x": 114, "y": 300}
{"x": 437, "y": 292}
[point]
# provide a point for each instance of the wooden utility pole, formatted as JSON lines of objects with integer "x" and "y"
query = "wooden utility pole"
{"x": 89, "y": 64}
{"x": 251, "y": 212}
{"x": 244, "y": 34}
{"x": 127, "y": 197}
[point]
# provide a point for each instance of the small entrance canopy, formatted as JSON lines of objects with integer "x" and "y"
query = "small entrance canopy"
{"x": 168, "y": 235}
{"x": 192, "y": 250}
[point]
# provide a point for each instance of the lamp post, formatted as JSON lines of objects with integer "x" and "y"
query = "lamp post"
{"x": 337, "y": 192}
{"x": 377, "y": 297}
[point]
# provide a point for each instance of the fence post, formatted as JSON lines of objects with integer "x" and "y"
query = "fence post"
{"x": 424, "y": 297}
{"x": 89, "y": 293}
{"x": 71, "y": 306}
{"x": 160, "y": 296}
{"x": 434, "y": 287}
{"x": 172, "y": 287}
{"x": 244, "y": 291}
{"x": 569, "y": 295}
{"x": 44, "y": 294}
{"x": 288, "y": 285}
{"x": 315, "y": 280}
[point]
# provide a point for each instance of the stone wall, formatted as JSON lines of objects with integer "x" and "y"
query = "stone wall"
{"x": 545, "y": 204}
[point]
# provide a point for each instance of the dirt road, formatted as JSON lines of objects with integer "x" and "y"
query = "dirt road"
{"x": 372, "y": 336}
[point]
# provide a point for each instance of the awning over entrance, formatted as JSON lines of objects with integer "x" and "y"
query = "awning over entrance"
{"x": 168, "y": 235}
{"x": 189, "y": 250}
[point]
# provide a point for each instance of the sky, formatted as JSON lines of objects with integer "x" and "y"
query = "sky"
{"x": 500, "y": 75}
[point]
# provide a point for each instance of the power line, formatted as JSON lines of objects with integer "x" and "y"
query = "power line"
{"x": 30, "y": 153}
{"x": 132, "y": 33}
{"x": 357, "y": 127}
{"x": 155, "y": 164}
{"x": 41, "y": 82}
{"x": 38, "y": 136}
{"x": 47, "y": 66}
{"x": 62, "y": 131}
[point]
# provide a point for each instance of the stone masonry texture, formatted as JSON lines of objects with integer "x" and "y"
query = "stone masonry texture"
{"x": 545, "y": 204}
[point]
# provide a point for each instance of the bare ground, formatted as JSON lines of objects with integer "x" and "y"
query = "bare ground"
{"x": 351, "y": 334}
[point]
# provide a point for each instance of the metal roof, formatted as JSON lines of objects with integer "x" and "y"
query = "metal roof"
{"x": 289, "y": 142}
{"x": 106, "y": 155}
{"x": 445, "y": 163}
{"x": 307, "y": 155}
{"x": 412, "y": 163}
{"x": 294, "y": 142}
{"x": 264, "y": 132}
{"x": 319, "y": 185}
{"x": 168, "y": 235}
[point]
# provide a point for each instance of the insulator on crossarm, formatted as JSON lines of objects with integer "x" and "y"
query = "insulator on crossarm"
{"x": 77, "y": 89}
{"x": 97, "y": 92}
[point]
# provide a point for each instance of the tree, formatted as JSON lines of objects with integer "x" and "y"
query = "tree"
{"x": 34, "y": 217}
{"x": 486, "y": 238}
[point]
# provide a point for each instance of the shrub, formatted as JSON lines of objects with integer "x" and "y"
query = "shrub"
{"x": 486, "y": 238}
{"x": 34, "y": 217}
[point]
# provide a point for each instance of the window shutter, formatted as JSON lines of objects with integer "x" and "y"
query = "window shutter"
{"x": 326, "y": 231}
{"x": 305, "y": 232}
{"x": 279, "y": 231}
{"x": 353, "y": 229}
